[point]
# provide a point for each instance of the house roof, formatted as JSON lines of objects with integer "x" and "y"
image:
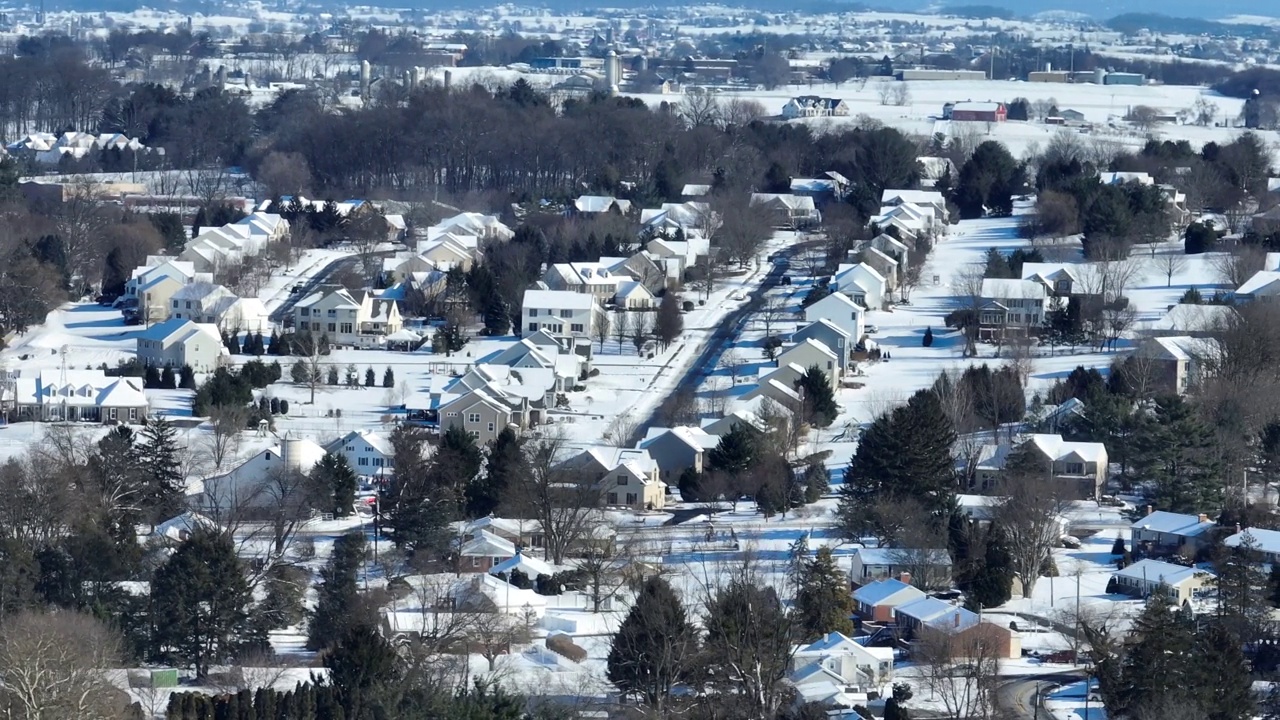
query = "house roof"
{"x": 878, "y": 592}
{"x": 1184, "y": 347}
{"x": 1053, "y": 446}
{"x": 824, "y": 324}
{"x": 895, "y": 556}
{"x": 1267, "y": 541}
{"x": 531, "y": 566}
{"x": 1170, "y": 523}
{"x": 600, "y": 203}
{"x": 1160, "y": 572}
{"x": 178, "y": 330}
{"x": 834, "y": 301}
{"x": 810, "y": 344}
{"x": 919, "y": 197}
{"x": 558, "y": 300}
{"x": 198, "y": 291}
{"x": 380, "y": 442}
{"x": 978, "y": 106}
{"x": 610, "y": 457}
{"x": 80, "y": 388}
{"x": 1001, "y": 288}
{"x": 791, "y": 202}
{"x": 692, "y": 190}
{"x": 485, "y": 544}
{"x": 1186, "y": 317}
{"x": 1050, "y": 272}
{"x": 1261, "y": 280}
{"x": 938, "y": 613}
{"x": 694, "y": 437}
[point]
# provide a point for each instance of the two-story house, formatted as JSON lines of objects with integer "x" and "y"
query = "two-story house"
{"x": 1081, "y": 467}
{"x": 1176, "y": 363}
{"x": 833, "y": 337}
{"x": 678, "y": 449}
{"x": 811, "y": 353}
{"x": 1010, "y": 308}
{"x": 561, "y": 312}
{"x": 627, "y": 477}
{"x": 862, "y": 283}
{"x": 787, "y": 210}
{"x": 175, "y": 343}
{"x": 840, "y": 310}
{"x": 1060, "y": 280}
{"x": 359, "y": 320}
{"x": 1162, "y": 532}
{"x": 368, "y": 452}
{"x": 211, "y": 304}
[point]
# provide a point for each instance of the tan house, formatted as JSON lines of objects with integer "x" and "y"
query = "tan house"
{"x": 1177, "y": 363}
{"x": 360, "y": 320}
{"x": 155, "y": 296}
{"x": 1082, "y": 466}
{"x": 677, "y": 449}
{"x": 484, "y": 414}
{"x": 1179, "y": 582}
{"x": 810, "y": 353}
{"x": 628, "y": 477}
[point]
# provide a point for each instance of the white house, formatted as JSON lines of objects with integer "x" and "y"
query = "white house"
{"x": 1179, "y": 582}
{"x": 864, "y": 668}
{"x": 788, "y": 210}
{"x": 1168, "y": 531}
{"x": 807, "y": 106}
{"x": 1265, "y": 542}
{"x": 862, "y": 283}
{"x": 368, "y": 452}
{"x": 80, "y": 396}
{"x": 927, "y": 568}
{"x": 176, "y": 342}
{"x": 811, "y": 353}
{"x": 261, "y": 481}
{"x": 841, "y": 311}
{"x": 560, "y": 312}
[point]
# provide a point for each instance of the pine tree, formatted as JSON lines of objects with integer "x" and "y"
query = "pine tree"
{"x": 747, "y": 626}
{"x": 187, "y": 378}
{"x": 369, "y": 377}
{"x": 199, "y": 602}
{"x": 736, "y": 452}
{"x": 337, "y": 478}
{"x": 167, "y": 379}
{"x": 820, "y": 407}
{"x": 1175, "y": 448}
{"x": 992, "y": 582}
{"x": 1159, "y": 664}
{"x": 652, "y": 650}
{"x": 275, "y": 348}
{"x": 927, "y": 342}
{"x": 233, "y": 344}
{"x": 338, "y": 604}
{"x": 362, "y": 667}
{"x": 151, "y": 377}
{"x": 505, "y": 465}
{"x": 817, "y": 481}
{"x": 426, "y": 495}
{"x": 824, "y": 603}
{"x": 331, "y": 377}
{"x": 259, "y": 346}
{"x": 1243, "y": 603}
{"x": 1223, "y": 675}
{"x": 670, "y": 322}
{"x": 388, "y": 378}
{"x": 1117, "y": 547}
{"x": 161, "y": 469}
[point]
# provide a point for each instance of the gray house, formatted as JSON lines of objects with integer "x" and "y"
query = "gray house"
{"x": 677, "y": 449}
{"x": 829, "y": 334}
{"x": 483, "y": 414}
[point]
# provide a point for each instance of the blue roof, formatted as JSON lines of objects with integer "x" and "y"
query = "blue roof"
{"x": 877, "y": 592}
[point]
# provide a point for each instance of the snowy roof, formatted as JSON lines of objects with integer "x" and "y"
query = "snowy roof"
{"x": 1119, "y": 178}
{"x": 485, "y": 544}
{"x": 1053, "y": 446}
{"x": 1170, "y": 523}
{"x": 1050, "y": 272}
{"x": 896, "y": 556}
{"x": 600, "y": 203}
{"x": 178, "y": 330}
{"x": 180, "y": 528}
{"x": 1000, "y": 288}
{"x": 1162, "y": 572}
{"x": 791, "y": 202}
{"x": 1186, "y": 317}
{"x": 823, "y": 323}
{"x": 694, "y": 437}
{"x": 692, "y": 190}
{"x": 813, "y": 185}
{"x": 978, "y": 106}
{"x": 938, "y": 613}
{"x": 878, "y": 592}
{"x": 1183, "y": 347}
{"x": 931, "y": 197}
{"x": 532, "y": 567}
{"x": 81, "y": 388}
{"x": 1259, "y": 281}
{"x": 610, "y": 457}
{"x": 558, "y": 300}
{"x": 833, "y": 301}
{"x": 199, "y": 291}
{"x": 380, "y": 442}
{"x": 1267, "y": 541}
{"x": 811, "y": 344}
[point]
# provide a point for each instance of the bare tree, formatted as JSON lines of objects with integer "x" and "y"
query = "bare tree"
{"x": 740, "y": 112}
{"x": 311, "y": 349}
{"x": 699, "y": 108}
{"x": 641, "y": 329}
{"x": 900, "y": 94}
{"x": 744, "y": 229}
{"x": 885, "y": 91}
{"x": 606, "y": 570}
{"x": 772, "y": 311}
{"x": 621, "y": 328}
{"x": 226, "y": 423}
{"x": 960, "y": 670}
{"x": 1170, "y": 264}
{"x": 732, "y": 362}
{"x": 1240, "y": 265}
{"x": 968, "y": 290}
{"x": 1030, "y": 515}
{"x": 564, "y": 501}
{"x": 1143, "y": 117}
{"x": 495, "y": 633}
{"x": 54, "y": 667}
{"x": 603, "y": 329}
{"x": 365, "y": 232}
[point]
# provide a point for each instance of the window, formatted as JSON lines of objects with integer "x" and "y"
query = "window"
{"x": 188, "y": 304}
{"x": 475, "y": 562}
{"x": 451, "y": 413}
{"x": 377, "y": 462}
{"x": 613, "y": 498}
{"x": 533, "y": 312}
{"x": 333, "y": 327}
{"x": 1075, "y": 468}
{"x": 576, "y": 327}
{"x": 346, "y": 328}
{"x": 112, "y": 414}
{"x": 491, "y": 427}
{"x": 473, "y": 417}
{"x": 853, "y": 316}
{"x": 632, "y": 498}
{"x": 566, "y": 314}
{"x": 362, "y": 461}
{"x": 305, "y": 311}
{"x": 830, "y": 364}
{"x": 332, "y": 313}
{"x": 133, "y": 414}
{"x": 622, "y": 480}
{"x": 175, "y": 304}
{"x": 533, "y": 327}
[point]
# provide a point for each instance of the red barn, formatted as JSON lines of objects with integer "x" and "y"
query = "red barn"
{"x": 979, "y": 112}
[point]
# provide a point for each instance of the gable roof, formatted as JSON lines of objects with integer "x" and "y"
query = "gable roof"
{"x": 882, "y": 590}
{"x": 832, "y": 302}
{"x": 1149, "y": 570}
{"x": 1170, "y": 523}
{"x": 810, "y": 344}
{"x": 558, "y": 300}
{"x": 1000, "y": 288}
{"x": 1267, "y": 541}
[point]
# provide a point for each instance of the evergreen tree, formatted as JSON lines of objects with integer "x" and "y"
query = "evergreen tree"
{"x": 363, "y": 667}
{"x": 820, "y": 407}
{"x": 167, "y": 379}
{"x": 275, "y": 348}
{"x": 369, "y": 377}
{"x": 824, "y": 603}
{"x": 388, "y": 378}
{"x": 652, "y": 650}
{"x": 928, "y": 342}
{"x": 670, "y": 322}
{"x": 151, "y": 377}
{"x": 199, "y": 599}
{"x": 505, "y": 464}
{"x": 1117, "y": 547}
{"x": 1223, "y": 675}
{"x": 331, "y": 377}
{"x": 747, "y": 626}
{"x": 736, "y": 452}
{"x": 1243, "y": 606}
{"x": 232, "y": 342}
{"x": 336, "y": 477}
{"x": 1160, "y": 662}
{"x": 161, "y": 469}
{"x": 187, "y": 378}
{"x": 426, "y": 495}
{"x": 338, "y": 604}
{"x": 817, "y": 481}
{"x": 992, "y": 582}
{"x": 1175, "y": 449}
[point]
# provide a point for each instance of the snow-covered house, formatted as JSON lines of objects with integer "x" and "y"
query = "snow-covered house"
{"x": 877, "y": 600}
{"x": 893, "y": 247}
{"x": 1192, "y": 321}
{"x": 840, "y": 310}
{"x": 862, "y": 283}
{"x": 810, "y": 353}
{"x": 210, "y": 304}
{"x": 561, "y": 312}
{"x": 368, "y": 452}
{"x": 809, "y": 106}
{"x": 484, "y": 413}
{"x": 1176, "y": 363}
{"x": 261, "y": 480}
{"x": 927, "y": 568}
{"x": 152, "y": 285}
{"x": 176, "y": 342}
{"x": 362, "y": 320}
{"x": 485, "y": 227}
{"x": 678, "y": 449}
{"x": 862, "y": 668}
{"x": 1010, "y": 308}
{"x": 886, "y": 266}
{"x": 483, "y": 552}
{"x": 1061, "y": 280}
{"x": 1165, "y": 532}
{"x": 594, "y": 278}
{"x": 600, "y": 204}
{"x": 1265, "y": 542}
{"x": 1179, "y": 582}
{"x": 678, "y": 255}
{"x": 691, "y": 218}
{"x": 1081, "y": 466}
{"x": 935, "y": 200}
{"x": 627, "y": 476}
{"x": 831, "y": 336}
{"x": 789, "y": 211}
{"x": 633, "y": 295}
{"x": 80, "y": 396}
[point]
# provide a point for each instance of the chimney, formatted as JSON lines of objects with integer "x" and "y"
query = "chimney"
{"x": 1237, "y": 528}
{"x": 904, "y": 578}
{"x": 1204, "y": 518}
{"x": 1149, "y": 510}
{"x": 957, "y": 619}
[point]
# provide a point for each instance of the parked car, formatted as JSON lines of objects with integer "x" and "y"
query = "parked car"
{"x": 872, "y": 329}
